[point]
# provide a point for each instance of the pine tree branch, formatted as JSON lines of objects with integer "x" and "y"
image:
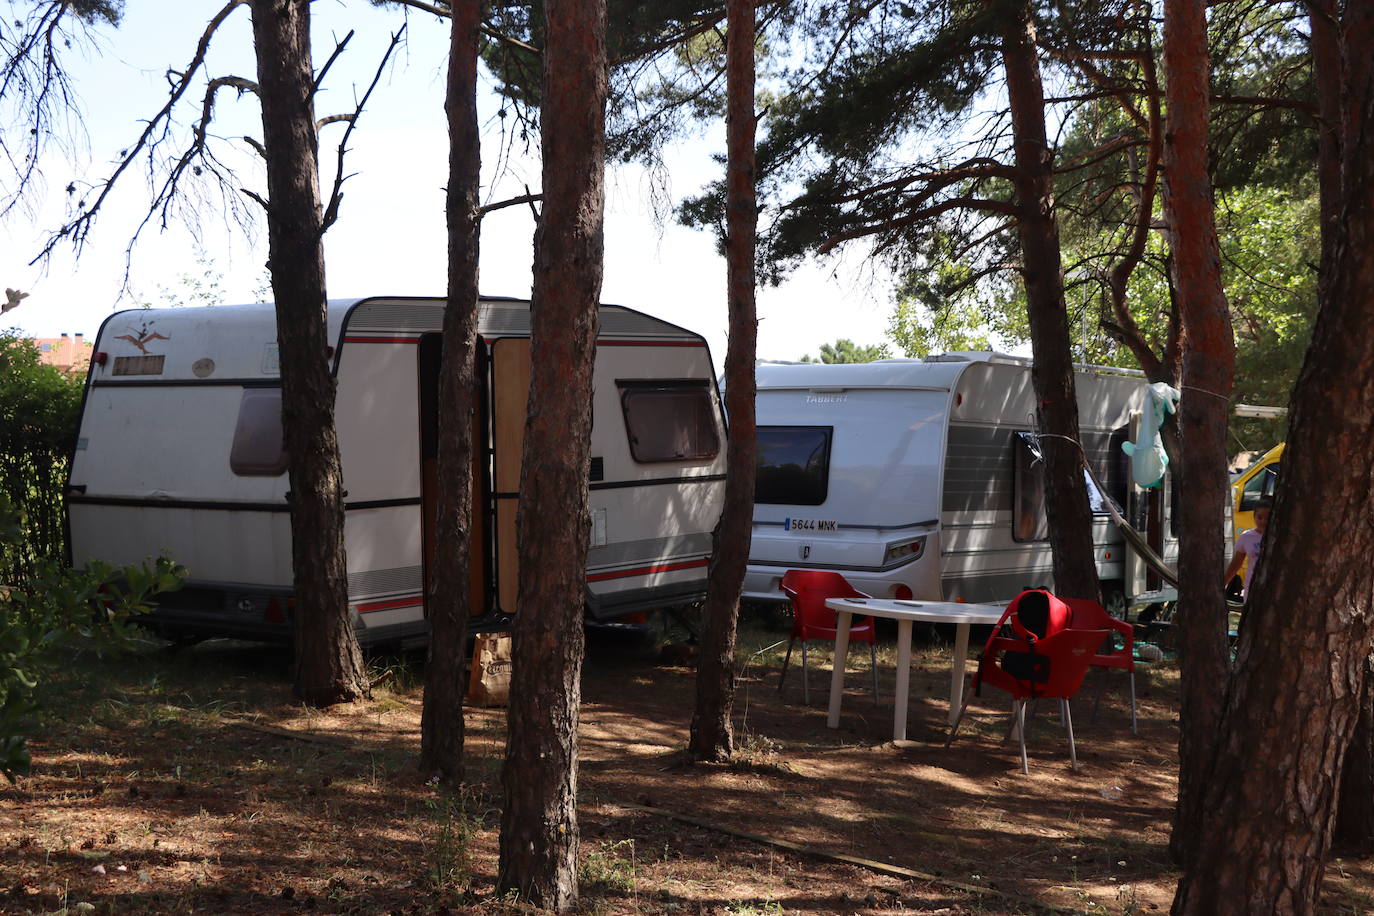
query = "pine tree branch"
{"x": 154, "y": 133}
{"x": 331, "y": 212}
{"x": 936, "y": 179}
{"x": 333, "y": 56}
{"x": 511, "y": 202}
{"x": 443, "y": 13}
{"x": 911, "y": 219}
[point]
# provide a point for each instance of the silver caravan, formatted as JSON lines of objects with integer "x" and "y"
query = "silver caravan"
{"x": 180, "y": 451}
{"x": 921, "y": 479}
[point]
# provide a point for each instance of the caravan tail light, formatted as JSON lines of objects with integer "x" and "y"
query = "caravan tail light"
{"x": 273, "y": 613}
{"x": 904, "y": 551}
{"x": 902, "y": 593}
{"x": 100, "y": 357}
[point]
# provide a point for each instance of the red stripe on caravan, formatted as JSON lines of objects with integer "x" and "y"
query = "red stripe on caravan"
{"x": 650, "y": 343}
{"x": 599, "y": 343}
{"x": 391, "y": 605}
{"x": 646, "y": 570}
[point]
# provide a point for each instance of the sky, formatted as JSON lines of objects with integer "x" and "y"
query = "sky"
{"x": 390, "y": 237}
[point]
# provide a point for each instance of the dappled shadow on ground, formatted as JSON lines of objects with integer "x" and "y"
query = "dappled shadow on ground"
{"x": 190, "y": 780}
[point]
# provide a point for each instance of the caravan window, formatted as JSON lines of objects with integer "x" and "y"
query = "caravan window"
{"x": 793, "y": 465}
{"x": 669, "y": 420}
{"x": 1029, "y": 522}
{"x": 258, "y": 450}
{"x": 1118, "y": 471}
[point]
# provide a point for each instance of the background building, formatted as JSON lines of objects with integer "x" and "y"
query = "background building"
{"x": 70, "y": 353}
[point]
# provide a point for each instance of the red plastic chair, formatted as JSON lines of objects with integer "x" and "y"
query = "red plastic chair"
{"x": 1089, "y": 615}
{"x": 1036, "y": 656}
{"x": 807, "y": 589}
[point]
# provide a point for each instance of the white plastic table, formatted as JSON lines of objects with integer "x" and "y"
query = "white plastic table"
{"x": 904, "y": 612}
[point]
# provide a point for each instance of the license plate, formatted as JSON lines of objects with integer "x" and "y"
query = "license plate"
{"x": 810, "y": 524}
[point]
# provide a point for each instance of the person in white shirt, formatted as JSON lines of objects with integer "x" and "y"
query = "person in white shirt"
{"x": 1249, "y": 547}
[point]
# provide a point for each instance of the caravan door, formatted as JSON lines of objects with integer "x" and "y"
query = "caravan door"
{"x": 430, "y": 374}
{"x": 510, "y": 390}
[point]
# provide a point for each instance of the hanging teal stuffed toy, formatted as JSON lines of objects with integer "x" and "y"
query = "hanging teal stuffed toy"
{"x": 1148, "y": 460}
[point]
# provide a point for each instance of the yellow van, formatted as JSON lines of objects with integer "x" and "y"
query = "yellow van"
{"x": 1253, "y": 484}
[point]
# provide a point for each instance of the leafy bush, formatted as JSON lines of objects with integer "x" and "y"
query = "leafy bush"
{"x": 39, "y": 409}
{"x": 61, "y": 609}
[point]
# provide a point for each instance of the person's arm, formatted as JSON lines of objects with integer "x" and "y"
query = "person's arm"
{"x": 1237, "y": 559}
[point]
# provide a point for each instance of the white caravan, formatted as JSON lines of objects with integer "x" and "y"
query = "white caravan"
{"x": 920, "y": 478}
{"x": 180, "y": 452}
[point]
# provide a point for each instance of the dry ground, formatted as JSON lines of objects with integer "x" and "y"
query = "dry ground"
{"x": 189, "y": 781}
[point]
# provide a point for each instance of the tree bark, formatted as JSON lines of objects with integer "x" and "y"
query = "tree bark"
{"x": 1355, "y": 813}
{"x": 328, "y": 664}
{"x": 1355, "y": 807}
{"x": 1293, "y": 705}
{"x": 711, "y": 736}
{"x": 1326, "y": 76}
{"x": 449, "y": 604}
{"x": 1208, "y": 373}
{"x": 539, "y": 838}
{"x": 1066, "y": 499}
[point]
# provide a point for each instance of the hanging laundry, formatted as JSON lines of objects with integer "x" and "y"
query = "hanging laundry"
{"x": 1148, "y": 459}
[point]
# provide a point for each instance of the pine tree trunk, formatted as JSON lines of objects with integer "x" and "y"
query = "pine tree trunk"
{"x": 1296, "y": 696}
{"x": 328, "y": 664}
{"x": 711, "y": 736}
{"x": 1208, "y": 373}
{"x": 449, "y": 602}
{"x": 1326, "y": 76}
{"x": 539, "y": 839}
{"x": 1355, "y": 808}
{"x": 1066, "y": 499}
{"x": 1355, "y": 814}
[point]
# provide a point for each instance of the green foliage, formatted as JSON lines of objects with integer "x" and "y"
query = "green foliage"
{"x": 39, "y": 407}
{"x": 610, "y": 867}
{"x": 920, "y": 331}
{"x": 946, "y": 308}
{"x": 845, "y": 350}
{"x": 96, "y": 11}
{"x": 203, "y": 289}
{"x": 864, "y": 109}
{"x": 61, "y": 609}
{"x": 1270, "y": 244}
{"x": 448, "y": 854}
{"x": 1259, "y": 52}
{"x": 665, "y": 60}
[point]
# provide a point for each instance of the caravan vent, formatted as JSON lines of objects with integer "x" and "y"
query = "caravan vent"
{"x": 383, "y": 315}
{"x": 619, "y": 321}
{"x": 138, "y": 365}
{"x": 504, "y": 318}
{"x": 373, "y": 582}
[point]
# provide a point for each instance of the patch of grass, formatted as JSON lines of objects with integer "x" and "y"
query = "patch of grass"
{"x": 448, "y": 851}
{"x": 755, "y": 908}
{"x": 755, "y": 753}
{"x": 610, "y": 868}
{"x": 398, "y": 674}
{"x": 1127, "y": 903}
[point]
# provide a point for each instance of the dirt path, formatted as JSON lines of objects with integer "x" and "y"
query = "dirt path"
{"x": 169, "y": 783}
